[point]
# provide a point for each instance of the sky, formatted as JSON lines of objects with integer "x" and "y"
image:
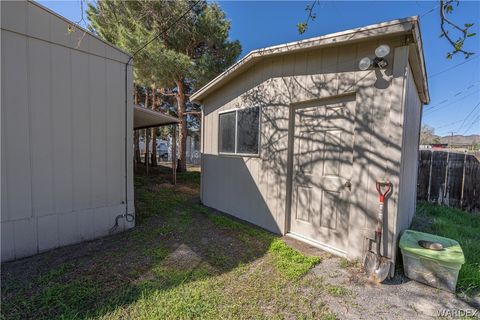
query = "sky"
{"x": 454, "y": 84}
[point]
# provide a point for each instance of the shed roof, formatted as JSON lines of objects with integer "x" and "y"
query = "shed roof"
{"x": 406, "y": 26}
{"x": 147, "y": 118}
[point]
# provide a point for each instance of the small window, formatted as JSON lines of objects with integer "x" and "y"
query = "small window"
{"x": 247, "y": 130}
{"x": 239, "y": 131}
{"x": 227, "y": 132}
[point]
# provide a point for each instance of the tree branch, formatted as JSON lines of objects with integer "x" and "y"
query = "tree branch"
{"x": 456, "y": 44}
{"x": 302, "y": 26}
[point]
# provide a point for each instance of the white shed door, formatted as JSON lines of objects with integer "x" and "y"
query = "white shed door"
{"x": 322, "y": 168}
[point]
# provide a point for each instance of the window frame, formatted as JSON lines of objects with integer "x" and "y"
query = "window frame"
{"x": 237, "y": 154}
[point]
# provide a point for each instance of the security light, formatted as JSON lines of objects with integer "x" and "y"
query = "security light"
{"x": 382, "y": 51}
{"x": 365, "y": 63}
{"x": 380, "y": 63}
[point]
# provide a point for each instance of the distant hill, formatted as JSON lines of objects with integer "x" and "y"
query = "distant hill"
{"x": 459, "y": 139}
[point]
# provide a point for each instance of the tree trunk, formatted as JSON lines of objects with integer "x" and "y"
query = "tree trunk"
{"x": 136, "y": 136}
{"x": 147, "y": 132}
{"x": 154, "y": 130}
{"x": 182, "y": 164}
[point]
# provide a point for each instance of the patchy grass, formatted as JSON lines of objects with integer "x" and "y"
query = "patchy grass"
{"x": 228, "y": 223}
{"x": 337, "y": 290}
{"x": 344, "y": 263}
{"x": 182, "y": 261}
{"x": 290, "y": 262}
{"x": 458, "y": 225}
{"x": 158, "y": 253}
{"x": 160, "y": 202}
{"x": 189, "y": 177}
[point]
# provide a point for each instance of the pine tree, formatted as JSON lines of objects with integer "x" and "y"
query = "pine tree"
{"x": 184, "y": 58}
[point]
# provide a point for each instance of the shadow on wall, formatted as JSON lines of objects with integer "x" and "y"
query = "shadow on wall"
{"x": 237, "y": 191}
{"x": 367, "y": 148}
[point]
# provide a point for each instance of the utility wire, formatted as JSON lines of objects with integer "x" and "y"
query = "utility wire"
{"x": 465, "y": 89}
{"x": 458, "y": 121}
{"x": 448, "y": 124}
{"x": 441, "y": 104}
{"x": 452, "y": 67}
{"x": 468, "y": 115}
{"x": 166, "y": 29}
{"x": 429, "y": 11}
{"x": 476, "y": 120}
{"x": 430, "y": 111}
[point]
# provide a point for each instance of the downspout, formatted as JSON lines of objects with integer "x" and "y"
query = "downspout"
{"x": 128, "y": 216}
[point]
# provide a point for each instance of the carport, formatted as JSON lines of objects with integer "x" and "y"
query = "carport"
{"x": 144, "y": 118}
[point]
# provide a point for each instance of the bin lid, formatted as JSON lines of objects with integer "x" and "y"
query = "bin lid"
{"x": 451, "y": 253}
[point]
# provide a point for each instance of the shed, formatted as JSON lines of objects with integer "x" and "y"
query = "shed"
{"x": 67, "y": 132}
{"x": 295, "y": 136}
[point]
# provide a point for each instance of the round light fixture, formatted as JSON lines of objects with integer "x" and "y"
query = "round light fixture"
{"x": 382, "y": 51}
{"x": 365, "y": 63}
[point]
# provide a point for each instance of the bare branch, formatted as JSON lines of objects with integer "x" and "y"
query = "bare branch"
{"x": 444, "y": 21}
{"x": 303, "y": 26}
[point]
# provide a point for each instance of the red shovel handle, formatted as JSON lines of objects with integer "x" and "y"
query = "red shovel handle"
{"x": 383, "y": 194}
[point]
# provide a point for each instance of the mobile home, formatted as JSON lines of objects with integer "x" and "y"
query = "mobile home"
{"x": 67, "y": 132}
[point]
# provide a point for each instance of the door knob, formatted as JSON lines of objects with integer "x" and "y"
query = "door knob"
{"x": 348, "y": 185}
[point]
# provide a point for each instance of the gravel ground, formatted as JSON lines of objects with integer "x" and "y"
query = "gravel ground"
{"x": 398, "y": 298}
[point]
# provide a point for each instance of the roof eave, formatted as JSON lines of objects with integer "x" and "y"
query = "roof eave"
{"x": 128, "y": 55}
{"x": 399, "y": 26}
{"x": 419, "y": 54}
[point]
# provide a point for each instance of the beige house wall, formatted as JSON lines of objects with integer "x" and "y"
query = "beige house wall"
{"x": 63, "y": 129}
{"x": 257, "y": 188}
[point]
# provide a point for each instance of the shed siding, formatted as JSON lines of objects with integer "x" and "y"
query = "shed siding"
{"x": 63, "y": 127}
{"x": 255, "y": 188}
{"x": 409, "y": 164}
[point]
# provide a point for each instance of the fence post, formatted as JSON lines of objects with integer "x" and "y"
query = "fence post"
{"x": 430, "y": 176}
{"x": 446, "y": 177}
{"x": 463, "y": 179}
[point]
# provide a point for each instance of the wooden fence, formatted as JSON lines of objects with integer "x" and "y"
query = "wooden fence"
{"x": 448, "y": 178}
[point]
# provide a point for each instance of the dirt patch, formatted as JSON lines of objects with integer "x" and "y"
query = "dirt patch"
{"x": 350, "y": 295}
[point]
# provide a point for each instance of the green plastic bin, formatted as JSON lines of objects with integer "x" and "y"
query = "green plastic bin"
{"x": 436, "y": 268}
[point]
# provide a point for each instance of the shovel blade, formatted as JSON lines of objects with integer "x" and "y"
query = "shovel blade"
{"x": 377, "y": 267}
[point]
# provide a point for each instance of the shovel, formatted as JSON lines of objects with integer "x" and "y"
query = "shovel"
{"x": 377, "y": 267}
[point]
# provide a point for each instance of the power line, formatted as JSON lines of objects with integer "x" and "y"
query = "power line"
{"x": 448, "y": 124}
{"x": 429, "y": 11}
{"x": 430, "y": 111}
{"x": 165, "y": 30}
{"x": 468, "y": 115}
{"x": 429, "y": 108}
{"x": 445, "y": 125}
{"x": 476, "y": 120}
{"x": 452, "y": 67}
